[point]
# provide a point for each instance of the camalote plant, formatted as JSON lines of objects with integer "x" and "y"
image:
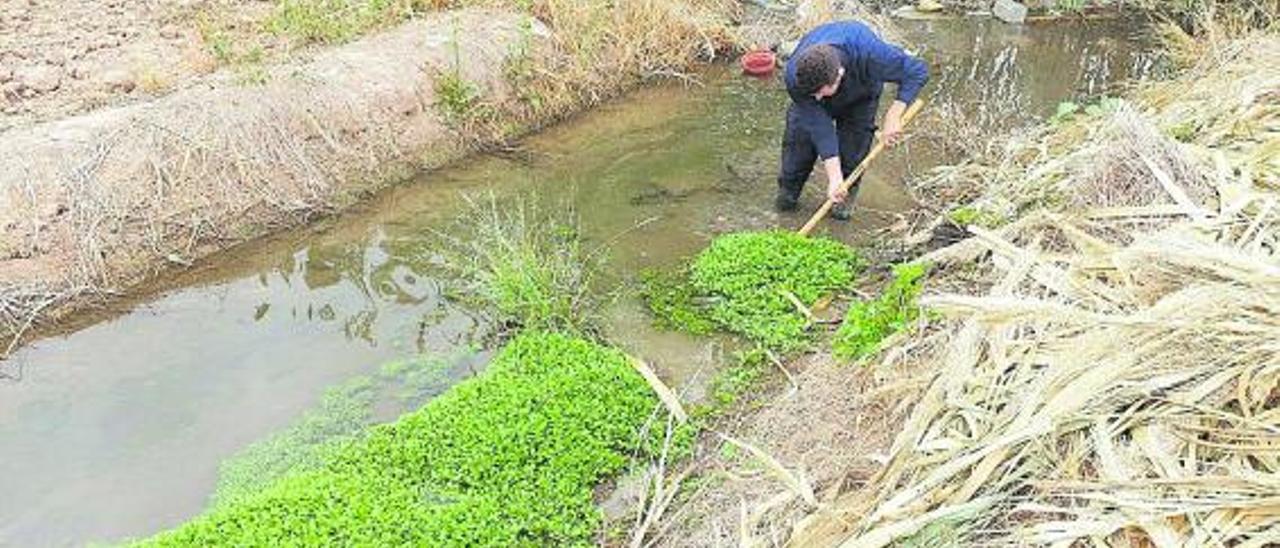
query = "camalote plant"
{"x": 507, "y": 458}
{"x": 870, "y": 322}
{"x": 746, "y": 278}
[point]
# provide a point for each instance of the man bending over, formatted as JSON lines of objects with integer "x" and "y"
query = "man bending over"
{"x": 834, "y": 78}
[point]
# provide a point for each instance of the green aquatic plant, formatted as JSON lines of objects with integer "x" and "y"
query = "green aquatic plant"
{"x": 750, "y": 279}
{"x": 674, "y": 302}
{"x": 738, "y": 377}
{"x": 868, "y": 323}
{"x": 508, "y": 458}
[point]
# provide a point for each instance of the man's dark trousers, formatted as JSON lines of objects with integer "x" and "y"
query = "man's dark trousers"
{"x": 855, "y": 128}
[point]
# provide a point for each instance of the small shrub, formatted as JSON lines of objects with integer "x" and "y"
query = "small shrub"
{"x": 507, "y": 458}
{"x": 746, "y": 275}
{"x": 868, "y": 323}
{"x": 455, "y": 96}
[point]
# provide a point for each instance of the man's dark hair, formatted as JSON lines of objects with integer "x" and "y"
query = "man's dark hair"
{"x": 817, "y": 66}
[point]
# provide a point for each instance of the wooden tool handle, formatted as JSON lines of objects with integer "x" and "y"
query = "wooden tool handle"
{"x": 862, "y": 167}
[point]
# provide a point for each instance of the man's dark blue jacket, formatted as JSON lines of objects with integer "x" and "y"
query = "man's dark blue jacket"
{"x": 868, "y": 63}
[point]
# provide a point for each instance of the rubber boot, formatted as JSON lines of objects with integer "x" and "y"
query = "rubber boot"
{"x": 784, "y": 201}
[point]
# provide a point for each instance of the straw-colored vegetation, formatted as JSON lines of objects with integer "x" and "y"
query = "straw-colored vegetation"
{"x": 1108, "y": 370}
{"x": 598, "y": 47}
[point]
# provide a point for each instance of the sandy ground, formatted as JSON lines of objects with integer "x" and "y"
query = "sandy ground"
{"x": 827, "y": 423}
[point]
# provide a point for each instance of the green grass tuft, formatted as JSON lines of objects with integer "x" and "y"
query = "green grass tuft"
{"x": 524, "y": 260}
{"x": 736, "y": 379}
{"x": 508, "y": 458}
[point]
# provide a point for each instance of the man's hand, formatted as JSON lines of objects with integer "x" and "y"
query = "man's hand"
{"x": 835, "y": 179}
{"x": 836, "y": 194}
{"x": 892, "y": 132}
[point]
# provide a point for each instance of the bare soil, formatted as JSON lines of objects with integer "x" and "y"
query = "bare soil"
{"x": 827, "y": 422}
{"x": 64, "y": 57}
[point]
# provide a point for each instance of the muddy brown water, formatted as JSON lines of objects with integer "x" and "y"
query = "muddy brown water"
{"x": 116, "y": 430}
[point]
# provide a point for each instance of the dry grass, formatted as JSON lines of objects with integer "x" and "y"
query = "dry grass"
{"x": 20, "y": 306}
{"x": 601, "y": 48}
{"x": 1110, "y": 373}
{"x": 816, "y": 432}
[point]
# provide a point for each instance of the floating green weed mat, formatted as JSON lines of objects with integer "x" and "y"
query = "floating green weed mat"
{"x": 674, "y": 302}
{"x": 868, "y": 323}
{"x": 507, "y": 458}
{"x": 344, "y": 413}
{"x": 748, "y": 275}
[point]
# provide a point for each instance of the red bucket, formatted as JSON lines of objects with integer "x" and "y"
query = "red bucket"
{"x": 759, "y": 62}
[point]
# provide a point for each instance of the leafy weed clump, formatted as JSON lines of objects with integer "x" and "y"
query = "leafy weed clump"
{"x": 736, "y": 380}
{"x": 507, "y": 458}
{"x": 747, "y": 277}
{"x": 336, "y": 21}
{"x": 868, "y": 323}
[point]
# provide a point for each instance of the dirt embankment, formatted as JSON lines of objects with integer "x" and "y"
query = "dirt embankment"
{"x": 103, "y": 199}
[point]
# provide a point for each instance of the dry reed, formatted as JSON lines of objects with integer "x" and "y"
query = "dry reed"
{"x": 1110, "y": 369}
